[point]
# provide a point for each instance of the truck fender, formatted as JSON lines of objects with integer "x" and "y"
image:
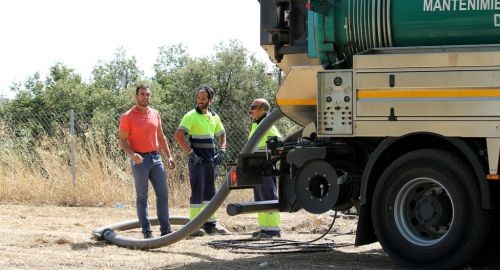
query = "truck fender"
{"x": 460, "y": 145}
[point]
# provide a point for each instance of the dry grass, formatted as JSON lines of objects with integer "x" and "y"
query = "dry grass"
{"x": 43, "y": 175}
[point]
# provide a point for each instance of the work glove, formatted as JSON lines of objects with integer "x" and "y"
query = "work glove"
{"x": 194, "y": 158}
{"x": 219, "y": 157}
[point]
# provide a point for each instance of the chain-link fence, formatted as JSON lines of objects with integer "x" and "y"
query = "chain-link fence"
{"x": 75, "y": 158}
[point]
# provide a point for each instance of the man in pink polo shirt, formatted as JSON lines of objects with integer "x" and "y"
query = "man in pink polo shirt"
{"x": 141, "y": 136}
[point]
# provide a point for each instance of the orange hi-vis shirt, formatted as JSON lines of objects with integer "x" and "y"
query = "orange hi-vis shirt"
{"x": 142, "y": 129}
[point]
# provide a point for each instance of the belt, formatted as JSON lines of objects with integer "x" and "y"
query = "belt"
{"x": 148, "y": 153}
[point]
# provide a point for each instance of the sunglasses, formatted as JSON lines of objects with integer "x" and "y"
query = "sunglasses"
{"x": 253, "y": 107}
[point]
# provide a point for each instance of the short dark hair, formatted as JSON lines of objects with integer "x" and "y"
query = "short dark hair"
{"x": 139, "y": 87}
{"x": 208, "y": 90}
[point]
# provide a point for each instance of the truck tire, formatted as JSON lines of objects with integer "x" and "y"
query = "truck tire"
{"x": 427, "y": 213}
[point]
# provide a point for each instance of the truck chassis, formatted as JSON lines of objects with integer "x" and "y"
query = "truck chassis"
{"x": 409, "y": 136}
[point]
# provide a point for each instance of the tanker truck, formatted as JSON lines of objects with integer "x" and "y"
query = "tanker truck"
{"x": 399, "y": 101}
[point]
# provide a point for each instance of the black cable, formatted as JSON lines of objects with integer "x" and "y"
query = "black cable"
{"x": 274, "y": 246}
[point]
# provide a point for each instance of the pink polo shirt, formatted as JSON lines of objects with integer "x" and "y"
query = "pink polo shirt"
{"x": 142, "y": 128}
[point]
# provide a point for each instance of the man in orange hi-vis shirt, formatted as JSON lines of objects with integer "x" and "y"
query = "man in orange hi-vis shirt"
{"x": 141, "y": 136}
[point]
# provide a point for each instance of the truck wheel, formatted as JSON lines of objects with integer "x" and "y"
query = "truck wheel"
{"x": 427, "y": 213}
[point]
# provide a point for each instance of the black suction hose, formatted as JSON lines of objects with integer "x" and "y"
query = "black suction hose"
{"x": 108, "y": 232}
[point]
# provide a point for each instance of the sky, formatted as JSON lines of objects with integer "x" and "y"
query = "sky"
{"x": 37, "y": 34}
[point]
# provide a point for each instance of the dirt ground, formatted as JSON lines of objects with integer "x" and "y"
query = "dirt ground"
{"x": 50, "y": 237}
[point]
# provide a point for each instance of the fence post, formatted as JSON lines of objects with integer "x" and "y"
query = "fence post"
{"x": 73, "y": 146}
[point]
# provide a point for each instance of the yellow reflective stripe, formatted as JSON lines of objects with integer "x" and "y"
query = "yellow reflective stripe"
{"x": 193, "y": 212}
{"x": 273, "y": 219}
{"x": 283, "y": 102}
{"x": 434, "y": 93}
{"x": 262, "y": 219}
{"x": 269, "y": 220}
{"x": 203, "y": 206}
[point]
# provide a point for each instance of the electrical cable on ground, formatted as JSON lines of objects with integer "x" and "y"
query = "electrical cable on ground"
{"x": 275, "y": 246}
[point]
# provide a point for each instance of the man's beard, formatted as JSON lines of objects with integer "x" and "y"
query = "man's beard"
{"x": 203, "y": 106}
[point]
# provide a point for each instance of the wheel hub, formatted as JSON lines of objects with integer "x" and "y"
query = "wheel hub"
{"x": 423, "y": 211}
{"x": 433, "y": 210}
{"x": 318, "y": 186}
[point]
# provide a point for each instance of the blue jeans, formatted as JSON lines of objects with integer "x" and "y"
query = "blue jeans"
{"x": 151, "y": 168}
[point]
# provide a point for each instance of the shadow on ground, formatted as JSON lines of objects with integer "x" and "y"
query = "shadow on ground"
{"x": 372, "y": 259}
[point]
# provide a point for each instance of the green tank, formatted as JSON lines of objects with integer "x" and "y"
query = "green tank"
{"x": 305, "y": 36}
{"x": 338, "y": 29}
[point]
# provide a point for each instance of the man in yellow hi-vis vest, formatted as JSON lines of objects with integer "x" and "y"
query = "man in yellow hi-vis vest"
{"x": 205, "y": 130}
{"x": 269, "y": 221}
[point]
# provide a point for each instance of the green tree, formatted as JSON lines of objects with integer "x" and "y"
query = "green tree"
{"x": 28, "y": 96}
{"x": 238, "y": 76}
{"x": 232, "y": 72}
{"x": 64, "y": 90}
{"x": 169, "y": 59}
{"x": 118, "y": 74}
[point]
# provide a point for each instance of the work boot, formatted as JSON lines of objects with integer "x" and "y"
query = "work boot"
{"x": 214, "y": 229}
{"x": 199, "y": 232}
{"x": 254, "y": 234}
{"x": 165, "y": 232}
{"x": 267, "y": 235}
{"x": 147, "y": 235}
